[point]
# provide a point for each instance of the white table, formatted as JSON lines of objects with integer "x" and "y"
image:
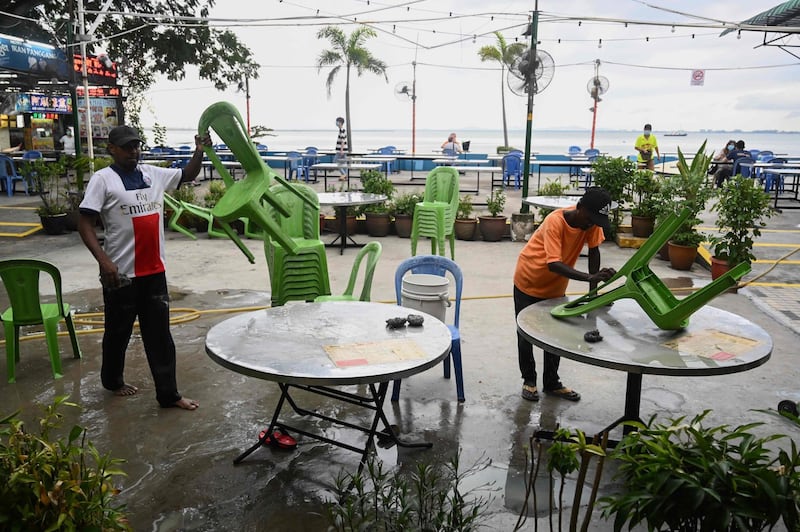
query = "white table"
{"x": 340, "y": 201}
{"x": 316, "y": 346}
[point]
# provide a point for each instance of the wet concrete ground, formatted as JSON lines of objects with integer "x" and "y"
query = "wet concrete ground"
{"x": 179, "y": 464}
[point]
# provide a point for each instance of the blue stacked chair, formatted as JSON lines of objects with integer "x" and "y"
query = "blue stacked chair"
{"x": 512, "y": 167}
{"x": 9, "y": 175}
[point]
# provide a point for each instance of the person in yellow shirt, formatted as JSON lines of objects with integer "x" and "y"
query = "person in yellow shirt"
{"x": 646, "y": 144}
{"x": 544, "y": 268}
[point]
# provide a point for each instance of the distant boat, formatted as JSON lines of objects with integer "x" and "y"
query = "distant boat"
{"x": 679, "y": 133}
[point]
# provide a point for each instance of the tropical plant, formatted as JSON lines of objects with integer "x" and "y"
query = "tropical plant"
{"x": 465, "y": 208}
{"x": 374, "y": 182}
{"x": 431, "y": 497}
{"x": 614, "y": 174}
{"x": 55, "y": 483}
{"x": 216, "y": 189}
{"x": 685, "y": 476}
{"x": 405, "y": 203}
{"x": 644, "y": 191}
{"x": 688, "y": 189}
{"x": 496, "y": 202}
{"x": 184, "y": 193}
{"x": 47, "y": 179}
{"x": 163, "y": 46}
{"x": 350, "y": 53}
{"x": 552, "y": 187}
{"x": 741, "y": 207}
{"x": 504, "y": 54}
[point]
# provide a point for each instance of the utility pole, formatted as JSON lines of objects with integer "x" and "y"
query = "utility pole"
{"x": 72, "y": 87}
{"x": 531, "y": 84}
{"x": 83, "y": 37}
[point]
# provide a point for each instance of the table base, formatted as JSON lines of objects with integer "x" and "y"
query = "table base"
{"x": 341, "y": 215}
{"x": 373, "y": 402}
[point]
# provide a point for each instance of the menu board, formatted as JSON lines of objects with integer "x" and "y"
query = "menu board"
{"x": 104, "y": 116}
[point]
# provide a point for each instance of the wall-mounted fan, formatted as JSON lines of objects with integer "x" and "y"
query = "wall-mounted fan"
{"x": 404, "y": 91}
{"x": 596, "y": 87}
{"x": 523, "y": 76}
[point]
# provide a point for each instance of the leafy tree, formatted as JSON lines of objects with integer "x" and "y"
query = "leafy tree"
{"x": 145, "y": 46}
{"x": 504, "y": 54}
{"x": 350, "y": 53}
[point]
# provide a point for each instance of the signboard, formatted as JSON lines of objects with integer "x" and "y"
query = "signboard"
{"x": 101, "y": 92}
{"x": 104, "y": 116}
{"x": 31, "y": 102}
{"x": 96, "y": 72}
{"x": 698, "y": 77}
{"x": 37, "y": 59}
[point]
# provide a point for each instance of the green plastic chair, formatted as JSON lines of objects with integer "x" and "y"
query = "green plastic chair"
{"x": 435, "y": 216}
{"x": 177, "y": 211}
{"x": 21, "y": 280}
{"x": 243, "y": 199}
{"x": 303, "y": 275}
{"x": 373, "y": 252}
{"x": 641, "y": 284}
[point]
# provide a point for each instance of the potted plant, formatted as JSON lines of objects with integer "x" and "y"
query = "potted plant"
{"x": 48, "y": 181}
{"x": 644, "y": 191}
{"x": 741, "y": 208}
{"x": 465, "y": 222}
{"x": 493, "y": 227}
{"x": 685, "y": 476}
{"x": 614, "y": 174}
{"x": 550, "y": 188}
{"x": 377, "y": 214}
{"x": 402, "y": 209}
{"x": 688, "y": 188}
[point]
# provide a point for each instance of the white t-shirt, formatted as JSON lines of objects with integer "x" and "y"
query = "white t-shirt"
{"x": 69, "y": 144}
{"x": 132, "y": 218}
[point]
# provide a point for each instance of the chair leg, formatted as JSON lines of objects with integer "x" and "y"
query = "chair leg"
{"x": 455, "y": 354}
{"x": 12, "y": 350}
{"x": 452, "y": 238}
{"x": 73, "y": 337}
{"x": 51, "y": 334}
{"x": 396, "y": 390}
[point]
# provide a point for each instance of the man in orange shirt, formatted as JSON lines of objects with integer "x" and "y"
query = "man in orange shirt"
{"x": 544, "y": 268}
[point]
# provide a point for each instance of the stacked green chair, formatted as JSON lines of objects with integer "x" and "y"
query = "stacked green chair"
{"x": 302, "y": 275}
{"x": 373, "y": 252}
{"x": 245, "y": 198}
{"x": 641, "y": 284}
{"x": 21, "y": 280}
{"x": 435, "y": 216}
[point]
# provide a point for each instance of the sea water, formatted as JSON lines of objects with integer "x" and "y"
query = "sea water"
{"x": 612, "y": 142}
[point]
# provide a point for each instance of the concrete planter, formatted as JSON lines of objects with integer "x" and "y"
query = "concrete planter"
{"x": 522, "y": 226}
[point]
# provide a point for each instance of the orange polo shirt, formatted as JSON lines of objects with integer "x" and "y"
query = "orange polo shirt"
{"x": 554, "y": 241}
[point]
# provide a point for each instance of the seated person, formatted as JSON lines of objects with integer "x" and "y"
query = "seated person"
{"x": 721, "y": 157}
{"x": 724, "y": 173}
{"x": 451, "y": 144}
{"x": 13, "y": 149}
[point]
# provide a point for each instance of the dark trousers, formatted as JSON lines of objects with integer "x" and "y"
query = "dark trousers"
{"x": 527, "y": 365}
{"x": 146, "y": 298}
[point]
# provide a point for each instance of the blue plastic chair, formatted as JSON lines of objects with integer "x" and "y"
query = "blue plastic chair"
{"x": 295, "y": 163}
{"x": 586, "y": 172}
{"x": 449, "y": 152}
{"x": 309, "y": 159}
{"x": 765, "y": 156}
{"x": 592, "y": 152}
{"x": 753, "y": 154}
{"x": 574, "y": 150}
{"x": 387, "y": 150}
{"x": 436, "y": 265}
{"x": 772, "y": 179}
{"x": 744, "y": 170}
{"x": 512, "y": 167}
{"x": 10, "y": 176}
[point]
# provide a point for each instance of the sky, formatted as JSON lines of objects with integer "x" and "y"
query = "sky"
{"x": 649, "y": 68}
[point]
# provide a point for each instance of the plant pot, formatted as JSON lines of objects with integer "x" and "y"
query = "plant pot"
{"x": 663, "y": 252}
{"x": 377, "y": 223}
{"x": 492, "y": 228}
{"x": 720, "y": 267}
{"x": 465, "y": 228}
{"x": 642, "y": 226}
{"x": 681, "y": 257}
{"x": 402, "y": 225}
{"x": 351, "y": 224}
{"x": 361, "y": 226}
{"x": 522, "y": 226}
{"x": 54, "y": 224}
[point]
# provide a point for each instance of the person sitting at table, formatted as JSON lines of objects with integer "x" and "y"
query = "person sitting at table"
{"x": 721, "y": 156}
{"x": 725, "y": 172}
{"x": 544, "y": 268}
{"x": 451, "y": 145}
{"x": 13, "y": 149}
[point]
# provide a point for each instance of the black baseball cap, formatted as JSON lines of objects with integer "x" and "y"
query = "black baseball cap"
{"x": 597, "y": 201}
{"x": 122, "y": 135}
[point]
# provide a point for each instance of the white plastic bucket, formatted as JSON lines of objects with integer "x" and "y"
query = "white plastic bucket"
{"x": 427, "y": 293}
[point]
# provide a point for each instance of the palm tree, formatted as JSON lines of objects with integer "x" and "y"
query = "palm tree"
{"x": 350, "y": 53}
{"x": 504, "y": 54}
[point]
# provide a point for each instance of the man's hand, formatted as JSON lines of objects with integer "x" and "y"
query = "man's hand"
{"x": 205, "y": 140}
{"x": 603, "y": 275}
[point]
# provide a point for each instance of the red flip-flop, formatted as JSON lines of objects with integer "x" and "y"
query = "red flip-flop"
{"x": 278, "y": 439}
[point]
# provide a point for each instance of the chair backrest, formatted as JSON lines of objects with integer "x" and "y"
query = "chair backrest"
{"x": 21, "y": 280}
{"x": 294, "y": 159}
{"x": 754, "y": 153}
{"x": 592, "y": 152}
{"x": 765, "y": 156}
{"x": 303, "y": 219}
{"x": 373, "y": 252}
{"x": 441, "y": 184}
{"x": 433, "y": 265}
{"x": 7, "y": 167}
{"x": 512, "y": 164}
{"x": 387, "y": 150}
{"x": 574, "y": 150}
{"x": 516, "y": 152}
{"x": 744, "y": 170}
{"x": 32, "y": 154}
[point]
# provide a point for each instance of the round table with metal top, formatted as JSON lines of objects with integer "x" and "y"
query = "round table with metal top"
{"x": 317, "y": 346}
{"x": 715, "y": 342}
{"x": 340, "y": 201}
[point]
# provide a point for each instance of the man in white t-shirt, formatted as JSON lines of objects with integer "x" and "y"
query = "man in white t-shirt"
{"x": 129, "y": 198}
{"x": 68, "y": 142}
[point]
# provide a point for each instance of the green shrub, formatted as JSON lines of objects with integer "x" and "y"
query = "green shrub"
{"x": 465, "y": 208}
{"x": 50, "y": 483}
{"x": 495, "y": 202}
{"x": 215, "y": 192}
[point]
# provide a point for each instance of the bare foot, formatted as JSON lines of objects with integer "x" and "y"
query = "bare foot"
{"x": 186, "y": 404}
{"x": 125, "y": 390}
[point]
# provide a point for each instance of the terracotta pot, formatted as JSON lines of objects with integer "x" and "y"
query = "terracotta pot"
{"x": 465, "y": 228}
{"x": 333, "y": 224}
{"x": 492, "y": 228}
{"x": 718, "y": 268}
{"x": 55, "y": 224}
{"x": 663, "y": 253}
{"x": 402, "y": 225}
{"x": 642, "y": 226}
{"x": 681, "y": 257}
{"x": 377, "y": 223}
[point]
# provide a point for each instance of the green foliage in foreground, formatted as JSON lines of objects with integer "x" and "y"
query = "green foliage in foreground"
{"x": 55, "y": 483}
